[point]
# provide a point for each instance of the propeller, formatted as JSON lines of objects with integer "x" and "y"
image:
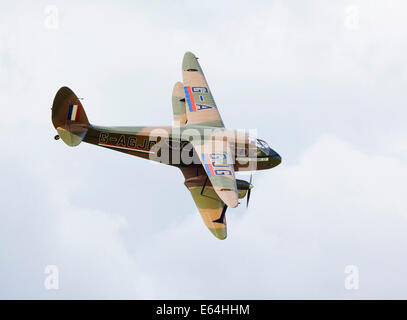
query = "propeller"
{"x": 249, "y": 191}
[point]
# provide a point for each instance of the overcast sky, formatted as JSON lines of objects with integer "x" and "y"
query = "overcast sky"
{"x": 324, "y": 83}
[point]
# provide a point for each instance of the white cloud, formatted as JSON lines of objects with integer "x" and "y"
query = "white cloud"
{"x": 308, "y": 220}
{"x": 336, "y": 206}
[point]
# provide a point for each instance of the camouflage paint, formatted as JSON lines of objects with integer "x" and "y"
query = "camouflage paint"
{"x": 211, "y": 176}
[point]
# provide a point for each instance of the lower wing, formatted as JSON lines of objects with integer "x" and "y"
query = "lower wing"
{"x": 210, "y": 206}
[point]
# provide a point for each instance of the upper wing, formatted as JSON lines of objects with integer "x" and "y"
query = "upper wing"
{"x": 178, "y": 105}
{"x": 210, "y": 206}
{"x": 200, "y": 106}
{"x": 216, "y": 158}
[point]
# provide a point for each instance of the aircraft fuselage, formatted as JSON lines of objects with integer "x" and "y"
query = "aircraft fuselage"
{"x": 170, "y": 145}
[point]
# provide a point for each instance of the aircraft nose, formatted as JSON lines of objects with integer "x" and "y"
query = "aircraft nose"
{"x": 275, "y": 158}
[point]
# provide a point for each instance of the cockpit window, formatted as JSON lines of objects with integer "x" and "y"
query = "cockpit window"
{"x": 263, "y": 146}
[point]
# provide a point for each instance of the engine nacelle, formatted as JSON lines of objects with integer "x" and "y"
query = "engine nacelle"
{"x": 242, "y": 188}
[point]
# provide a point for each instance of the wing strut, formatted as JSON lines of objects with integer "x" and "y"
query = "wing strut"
{"x": 203, "y": 188}
{"x": 222, "y": 215}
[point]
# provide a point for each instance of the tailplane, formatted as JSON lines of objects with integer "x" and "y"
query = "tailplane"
{"x": 69, "y": 117}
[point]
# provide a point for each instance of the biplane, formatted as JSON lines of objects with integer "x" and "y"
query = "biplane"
{"x": 207, "y": 153}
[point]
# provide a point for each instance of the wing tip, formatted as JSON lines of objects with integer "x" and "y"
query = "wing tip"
{"x": 178, "y": 89}
{"x": 190, "y": 62}
{"x": 219, "y": 233}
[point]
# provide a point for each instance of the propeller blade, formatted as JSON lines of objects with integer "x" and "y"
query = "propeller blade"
{"x": 250, "y": 190}
{"x": 248, "y": 197}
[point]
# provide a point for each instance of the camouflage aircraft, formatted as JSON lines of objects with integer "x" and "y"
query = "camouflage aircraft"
{"x": 198, "y": 143}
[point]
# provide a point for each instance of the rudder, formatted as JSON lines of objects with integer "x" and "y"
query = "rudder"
{"x": 69, "y": 117}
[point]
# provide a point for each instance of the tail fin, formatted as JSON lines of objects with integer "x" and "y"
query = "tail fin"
{"x": 69, "y": 117}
